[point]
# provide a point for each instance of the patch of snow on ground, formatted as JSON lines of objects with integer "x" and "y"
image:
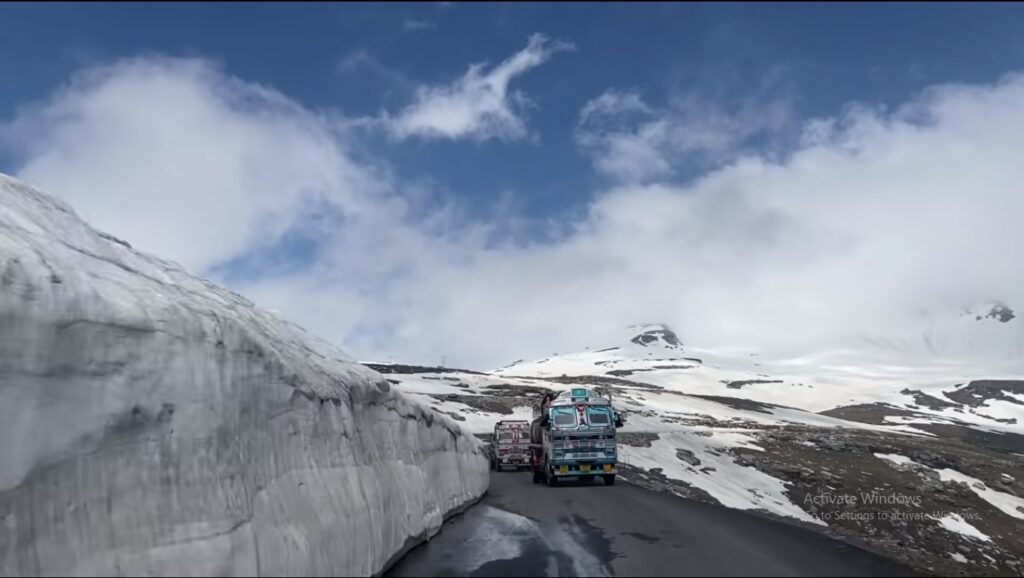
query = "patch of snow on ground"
{"x": 686, "y": 405}
{"x": 479, "y": 421}
{"x": 895, "y": 458}
{"x": 1008, "y": 504}
{"x": 427, "y": 385}
{"x": 733, "y": 485}
{"x": 954, "y": 523}
{"x": 999, "y": 409}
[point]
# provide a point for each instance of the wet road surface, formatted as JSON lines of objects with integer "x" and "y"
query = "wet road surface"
{"x": 523, "y": 529}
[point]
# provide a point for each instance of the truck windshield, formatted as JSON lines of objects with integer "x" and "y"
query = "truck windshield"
{"x": 599, "y": 416}
{"x": 506, "y": 435}
{"x": 563, "y": 417}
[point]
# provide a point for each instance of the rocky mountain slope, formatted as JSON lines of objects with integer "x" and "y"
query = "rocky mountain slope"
{"x": 920, "y": 463}
{"x": 156, "y": 424}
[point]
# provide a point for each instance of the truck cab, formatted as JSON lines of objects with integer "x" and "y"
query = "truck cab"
{"x": 576, "y": 431}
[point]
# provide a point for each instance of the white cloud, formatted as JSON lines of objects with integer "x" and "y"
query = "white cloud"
{"x": 412, "y": 24}
{"x": 872, "y": 217}
{"x": 479, "y": 105}
{"x": 880, "y": 216}
{"x": 632, "y": 141}
{"x": 624, "y": 137}
{"x": 875, "y": 217}
{"x": 360, "y": 59}
{"x": 356, "y": 59}
{"x": 187, "y": 162}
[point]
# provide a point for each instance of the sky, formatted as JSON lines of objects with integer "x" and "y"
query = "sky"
{"x": 486, "y": 182}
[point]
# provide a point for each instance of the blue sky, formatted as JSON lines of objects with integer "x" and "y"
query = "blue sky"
{"x": 832, "y": 54}
{"x": 613, "y": 101}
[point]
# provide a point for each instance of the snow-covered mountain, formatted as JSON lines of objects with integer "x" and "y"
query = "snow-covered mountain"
{"x": 156, "y": 424}
{"x": 643, "y": 347}
{"x": 826, "y": 381}
{"x": 989, "y": 331}
{"x": 769, "y": 435}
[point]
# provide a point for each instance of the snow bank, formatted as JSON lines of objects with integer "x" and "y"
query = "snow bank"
{"x": 155, "y": 424}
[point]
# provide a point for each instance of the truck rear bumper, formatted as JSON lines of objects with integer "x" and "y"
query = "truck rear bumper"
{"x": 582, "y": 469}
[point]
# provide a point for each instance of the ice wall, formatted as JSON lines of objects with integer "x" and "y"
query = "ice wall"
{"x": 153, "y": 423}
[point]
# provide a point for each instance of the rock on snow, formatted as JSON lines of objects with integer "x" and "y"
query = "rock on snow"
{"x": 154, "y": 423}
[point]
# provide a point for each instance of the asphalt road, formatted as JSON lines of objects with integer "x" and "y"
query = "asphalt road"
{"x": 522, "y": 529}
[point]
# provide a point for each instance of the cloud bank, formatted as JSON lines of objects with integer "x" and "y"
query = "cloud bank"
{"x": 188, "y": 162}
{"x": 872, "y": 217}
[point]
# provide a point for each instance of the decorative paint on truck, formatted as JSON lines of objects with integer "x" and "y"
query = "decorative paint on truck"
{"x": 511, "y": 444}
{"x": 574, "y": 437}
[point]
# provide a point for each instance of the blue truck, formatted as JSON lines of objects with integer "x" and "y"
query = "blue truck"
{"x": 573, "y": 436}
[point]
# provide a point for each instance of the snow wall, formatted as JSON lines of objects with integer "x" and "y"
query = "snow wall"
{"x": 152, "y": 423}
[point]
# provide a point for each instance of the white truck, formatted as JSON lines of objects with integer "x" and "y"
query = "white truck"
{"x": 511, "y": 445}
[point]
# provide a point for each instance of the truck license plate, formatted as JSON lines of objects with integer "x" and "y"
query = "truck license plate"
{"x": 585, "y": 468}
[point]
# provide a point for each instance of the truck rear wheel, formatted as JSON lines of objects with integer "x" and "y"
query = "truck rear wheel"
{"x": 609, "y": 480}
